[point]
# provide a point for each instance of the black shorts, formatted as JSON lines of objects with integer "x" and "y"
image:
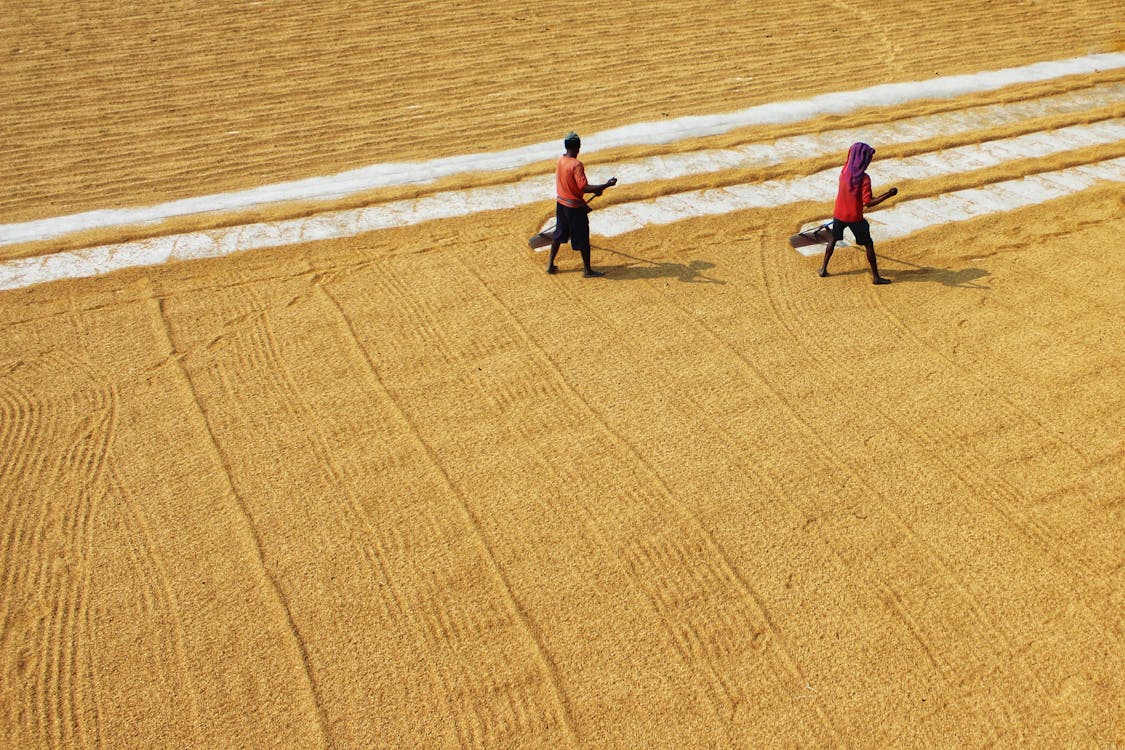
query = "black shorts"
{"x": 861, "y": 229}
{"x": 572, "y": 225}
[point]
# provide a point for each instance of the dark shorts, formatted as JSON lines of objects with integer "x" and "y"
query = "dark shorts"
{"x": 861, "y": 229}
{"x": 572, "y": 225}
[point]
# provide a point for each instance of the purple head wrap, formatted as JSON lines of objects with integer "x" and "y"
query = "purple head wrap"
{"x": 859, "y": 156}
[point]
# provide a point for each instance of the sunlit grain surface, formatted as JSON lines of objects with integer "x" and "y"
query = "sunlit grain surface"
{"x": 406, "y": 490}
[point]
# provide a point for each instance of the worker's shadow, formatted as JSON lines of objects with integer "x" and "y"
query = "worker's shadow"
{"x": 962, "y": 278}
{"x": 643, "y": 268}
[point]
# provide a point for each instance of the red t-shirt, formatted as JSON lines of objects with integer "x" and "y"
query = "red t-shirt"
{"x": 849, "y": 200}
{"x": 570, "y": 181}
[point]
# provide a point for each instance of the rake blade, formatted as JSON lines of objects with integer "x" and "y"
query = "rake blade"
{"x": 540, "y": 240}
{"x": 816, "y": 236}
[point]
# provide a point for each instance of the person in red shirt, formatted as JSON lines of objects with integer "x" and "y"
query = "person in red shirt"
{"x": 572, "y": 221}
{"x": 854, "y": 196}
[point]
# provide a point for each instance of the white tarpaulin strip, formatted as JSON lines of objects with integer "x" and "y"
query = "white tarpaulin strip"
{"x": 378, "y": 176}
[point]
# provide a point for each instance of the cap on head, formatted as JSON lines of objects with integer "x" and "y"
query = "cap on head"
{"x": 571, "y": 141}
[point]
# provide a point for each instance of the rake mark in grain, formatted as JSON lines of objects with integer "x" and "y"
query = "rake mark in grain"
{"x": 679, "y": 624}
{"x": 53, "y": 541}
{"x": 161, "y": 596}
{"x": 302, "y": 651}
{"x": 886, "y": 592}
{"x": 434, "y": 625}
{"x": 517, "y": 611}
{"x": 964, "y": 588}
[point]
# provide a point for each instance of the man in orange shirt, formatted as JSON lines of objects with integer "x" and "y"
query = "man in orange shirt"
{"x": 572, "y": 221}
{"x": 853, "y": 196}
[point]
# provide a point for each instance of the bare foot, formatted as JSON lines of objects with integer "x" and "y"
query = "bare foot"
{"x": 592, "y": 274}
{"x": 552, "y": 269}
{"x": 822, "y": 273}
{"x": 881, "y": 280}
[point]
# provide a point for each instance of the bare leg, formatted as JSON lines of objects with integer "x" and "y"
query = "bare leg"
{"x": 551, "y": 267}
{"x": 587, "y": 271}
{"x": 875, "y": 277}
{"x": 827, "y": 257}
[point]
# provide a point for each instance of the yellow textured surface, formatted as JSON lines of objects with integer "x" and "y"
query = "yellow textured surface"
{"x": 407, "y": 490}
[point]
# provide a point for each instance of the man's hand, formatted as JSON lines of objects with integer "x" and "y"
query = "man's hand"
{"x": 598, "y": 189}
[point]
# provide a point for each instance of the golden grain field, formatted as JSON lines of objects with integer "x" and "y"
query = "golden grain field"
{"x": 405, "y": 490}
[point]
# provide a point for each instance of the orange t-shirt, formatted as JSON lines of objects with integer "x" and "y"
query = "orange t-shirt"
{"x": 570, "y": 181}
{"x": 850, "y": 201}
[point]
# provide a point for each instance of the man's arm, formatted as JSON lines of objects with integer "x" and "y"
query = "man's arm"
{"x": 876, "y": 201}
{"x": 597, "y": 189}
